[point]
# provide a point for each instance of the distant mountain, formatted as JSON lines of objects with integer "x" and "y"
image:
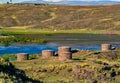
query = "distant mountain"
{"x": 107, "y": 2}
{"x": 87, "y": 3}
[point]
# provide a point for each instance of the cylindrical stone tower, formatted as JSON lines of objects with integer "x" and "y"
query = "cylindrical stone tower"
{"x": 63, "y": 56}
{"x": 22, "y": 56}
{"x": 64, "y": 49}
{"x": 106, "y": 47}
{"x": 47, "y": 53}
{"x": 64, "y": 53}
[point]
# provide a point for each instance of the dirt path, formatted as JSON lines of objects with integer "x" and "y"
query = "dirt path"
{"x": 53, "y": 16}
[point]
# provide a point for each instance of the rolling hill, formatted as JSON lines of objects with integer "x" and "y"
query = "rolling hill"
{"x": 53, "y": 17}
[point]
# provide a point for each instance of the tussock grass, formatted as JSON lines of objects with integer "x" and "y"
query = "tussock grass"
{"x": 54, "y": 17}
{"x": 86, "y": 66}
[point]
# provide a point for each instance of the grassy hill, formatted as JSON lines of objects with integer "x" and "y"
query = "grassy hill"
{"x": 85, "y": 67}
{"x": 60, "y": 17}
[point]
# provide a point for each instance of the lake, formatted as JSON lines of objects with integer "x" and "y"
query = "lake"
{"x": 76, "y": 38}
{"x": 37, "y": 48}
{"x": 76, "y": 41}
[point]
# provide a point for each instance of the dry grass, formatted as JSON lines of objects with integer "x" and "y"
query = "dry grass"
{"x": 53, "y": 17}
{"x": 86, "y": 66}
{"x": 117, "y": 23}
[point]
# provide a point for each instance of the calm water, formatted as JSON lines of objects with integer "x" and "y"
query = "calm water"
{"x": 76, "y": 38}
{"x": 36, "y": 49}
{"x": 76, "y": 41}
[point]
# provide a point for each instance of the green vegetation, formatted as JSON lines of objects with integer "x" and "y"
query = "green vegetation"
{"x": 8, "y": 57}
{"x": 10, "y": 74}
{"x": 52, "y": 17}
{"x": 47, "y": 21}
{"x": 86, "y": 66}
{"x": 13, "y": 57}
{"x": 7, "y": 41}
{"x": 30, "y": 23}
{"x": 69, "y": 36}
{"x": 13, "y": 31}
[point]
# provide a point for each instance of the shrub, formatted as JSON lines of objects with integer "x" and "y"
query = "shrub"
{"x": 69, "y": 69}
{"x": 34, "y": 56}
{"x": 7, "y": 41}
{"x": 9, "y": 57}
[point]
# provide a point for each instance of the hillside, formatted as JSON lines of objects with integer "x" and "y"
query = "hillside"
{"x": 85, "y": 67}
{"x": 60, "y": 17}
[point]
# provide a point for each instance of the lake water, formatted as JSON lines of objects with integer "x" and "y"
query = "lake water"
{"x": 37, "y": 48}
{"x": 76, "y": 41}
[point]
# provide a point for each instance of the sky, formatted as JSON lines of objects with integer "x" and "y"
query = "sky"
{"x": 79, "y": 0}
{"x": 14, "y": 1}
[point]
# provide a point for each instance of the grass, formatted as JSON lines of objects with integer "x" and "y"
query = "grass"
{"x": 10, "y": 74}
{"x": 69, "y": 36}
{"x": 86, "y": 66}
{"x": 54, "y": 17}
{"x": 7, "y": 41}
{"x": 47, "y": 31}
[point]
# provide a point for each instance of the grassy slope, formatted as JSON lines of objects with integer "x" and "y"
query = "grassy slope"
{"x": 86, "y": 67}
{"x": 105, "y": 68}
{"x": 60, "y": 17}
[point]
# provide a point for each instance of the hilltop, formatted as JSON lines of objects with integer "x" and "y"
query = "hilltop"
{"x": 53, "y": 17}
